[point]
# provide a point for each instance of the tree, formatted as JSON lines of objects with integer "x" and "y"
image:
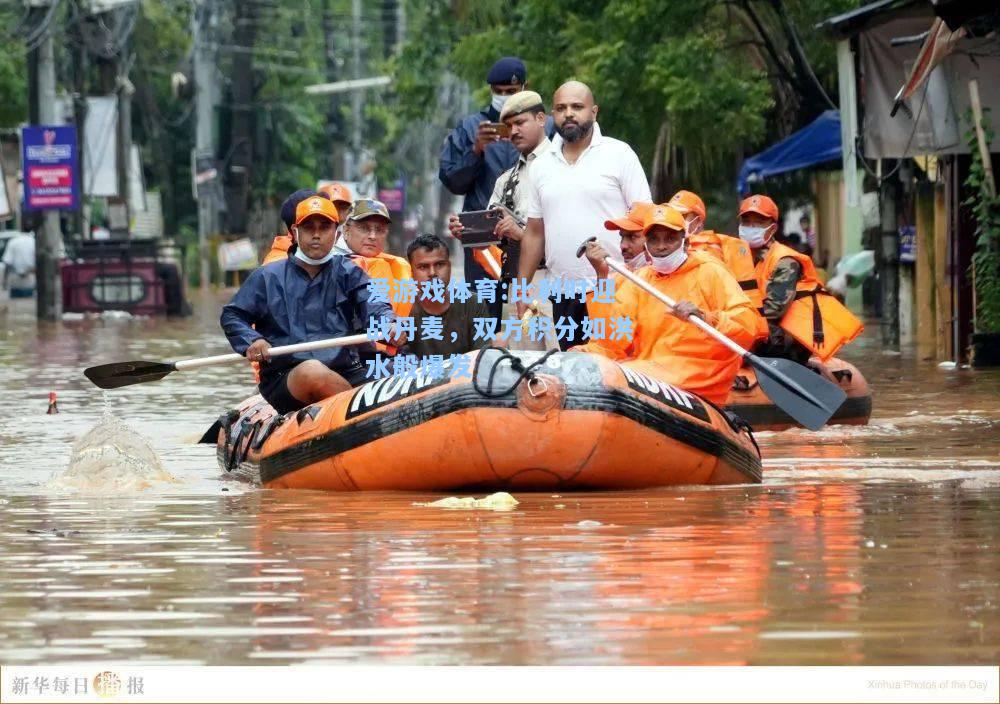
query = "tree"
{"x": 162, "y": 114}
{"x": 691, "y": 84}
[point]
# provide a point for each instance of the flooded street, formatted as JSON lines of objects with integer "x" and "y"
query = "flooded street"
{"x": 867, "y": 545}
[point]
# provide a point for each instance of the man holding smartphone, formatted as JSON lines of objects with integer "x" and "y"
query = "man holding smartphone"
{"x": 524, "y": 117}
{"x": 475, "y": 154}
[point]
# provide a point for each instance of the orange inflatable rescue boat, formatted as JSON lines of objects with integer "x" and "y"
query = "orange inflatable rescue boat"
{"x": 750, "y": 403}
{"x": 511, "y": 420}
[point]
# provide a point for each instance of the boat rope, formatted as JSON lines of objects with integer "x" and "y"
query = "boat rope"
{"x": 738, "y": 424}
{"x": 515, "y": 363}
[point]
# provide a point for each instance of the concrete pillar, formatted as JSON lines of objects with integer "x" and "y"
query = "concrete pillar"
{"x": 48, "y": 240}
{"x": 943, "y": 311}
{"x": 888, "y": 263}
{"x": 925, "y": 283}
{"x": 852, "y": 219}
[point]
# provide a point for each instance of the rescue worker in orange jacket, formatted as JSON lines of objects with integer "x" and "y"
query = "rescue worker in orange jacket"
{"x": 731, "y": 251}
{"x": 282, "y": 243}
{"x": 803, "y": 319}
{"x": 633, "y": 248}
{"x": 363, "y": 240}
{"x": 630, "y": 226}
{"x": 685, "y": 356}
{"x": 341, "y": 197}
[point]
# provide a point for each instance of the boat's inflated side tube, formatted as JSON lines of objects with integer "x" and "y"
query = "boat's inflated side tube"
{"x": 527, "y": 420}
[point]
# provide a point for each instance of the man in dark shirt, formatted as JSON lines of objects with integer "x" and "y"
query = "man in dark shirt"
{"x": 474, "y": 154}
{"x": 314, "y": 294}
{"x": 443, "y": 326}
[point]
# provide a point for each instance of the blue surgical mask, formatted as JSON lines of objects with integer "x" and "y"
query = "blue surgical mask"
{"x": 670, "y": 263}
{"x": 754, "y": 236}
{"x": 303, "y": 257}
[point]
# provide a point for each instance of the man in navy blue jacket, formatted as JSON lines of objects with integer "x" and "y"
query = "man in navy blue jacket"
{"x": 314, "y": 294}
{"x": 474, "y": 155}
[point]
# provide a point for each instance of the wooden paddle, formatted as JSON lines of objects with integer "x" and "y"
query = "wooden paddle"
{"x": 801, "y": 393}
{"x": 112, "y": 376}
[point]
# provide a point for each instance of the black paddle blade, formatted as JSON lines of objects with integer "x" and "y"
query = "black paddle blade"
{"x": 801, "y": 393}
{"x": 112, "y": 376}
{"x": 211, "y": 436}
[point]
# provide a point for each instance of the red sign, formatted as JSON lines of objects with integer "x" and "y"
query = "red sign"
{"x": 394, "y": 198}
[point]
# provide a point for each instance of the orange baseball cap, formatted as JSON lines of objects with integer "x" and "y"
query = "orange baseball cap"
{"x": 664, "y": 215}
{"x": 338, "y": 192}
{"x": 762, "y": 205}
{"x": 633, "y": 220}
{"x": 316, "y": 205}
{"x": 688, "y": 202}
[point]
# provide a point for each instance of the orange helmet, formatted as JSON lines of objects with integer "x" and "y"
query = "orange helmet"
{"x": 664, "y": 216}
{"x": 762, "y": 205}
{"x": 338, "y": 192}
{"x": 633, "y": 220}
{"x": 687, "y": 202}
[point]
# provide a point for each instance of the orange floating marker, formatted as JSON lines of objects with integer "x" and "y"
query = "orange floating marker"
{"x": 53, "y": 405}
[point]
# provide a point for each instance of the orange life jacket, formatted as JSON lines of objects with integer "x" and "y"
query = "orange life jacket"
{"x": 279, "y": 249}
{"x": 689, "y": 358}
{"x": 391, "y": 268}
{"x": 736, "y": 256}
{"x": 815, "y": 318}
{"x": 492, "y": 268}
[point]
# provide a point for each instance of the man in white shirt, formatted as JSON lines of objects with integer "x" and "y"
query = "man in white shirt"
{"x": 19, "y": 258}
{"x": 581, "y": 181}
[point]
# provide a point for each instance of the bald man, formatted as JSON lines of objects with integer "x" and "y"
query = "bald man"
{"x": 582, "y": 180}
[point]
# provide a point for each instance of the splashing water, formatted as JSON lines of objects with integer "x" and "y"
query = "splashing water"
{"x": 112, "y": 457}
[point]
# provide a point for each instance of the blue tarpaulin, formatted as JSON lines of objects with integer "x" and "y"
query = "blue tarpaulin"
{"x": 817, "y": 142}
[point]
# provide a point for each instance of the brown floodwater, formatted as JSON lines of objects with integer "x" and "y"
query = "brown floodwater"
{"x": 870, "y": 545}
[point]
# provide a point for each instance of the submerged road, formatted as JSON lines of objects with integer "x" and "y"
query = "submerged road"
{"x": 867, "y": 545}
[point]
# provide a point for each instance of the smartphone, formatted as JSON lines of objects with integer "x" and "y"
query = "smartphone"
{"x": 478, "y": 226}
{"x": 501, "y": 129}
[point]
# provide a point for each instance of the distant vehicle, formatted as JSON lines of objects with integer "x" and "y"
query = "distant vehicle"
{"x": 138, "y": 276}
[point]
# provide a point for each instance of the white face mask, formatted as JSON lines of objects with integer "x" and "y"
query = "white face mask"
{"x": 754, "y": 236}
{"x": 637, "y": 261}
{"x": 670, "y": 263}
{"x": 303, "y": 257}
{"x": 499, "y": 101}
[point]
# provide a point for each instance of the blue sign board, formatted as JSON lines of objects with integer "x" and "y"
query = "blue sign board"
{"x": 48, "y": 157}
{"x": 908, "y": 244}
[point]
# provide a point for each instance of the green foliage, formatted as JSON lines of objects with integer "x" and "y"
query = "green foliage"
{"x": 986, "y": 259}
{"x": 162, "y": 124}
{"x": 694, "y": 66}
{"x": 13, "y": 85}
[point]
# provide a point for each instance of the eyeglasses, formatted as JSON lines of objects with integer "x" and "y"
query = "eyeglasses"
{"x": 377, "y": 229}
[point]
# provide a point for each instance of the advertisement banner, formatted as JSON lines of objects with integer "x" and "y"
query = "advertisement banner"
{"x": 394, "y": 197}
{"x": 49, "y": 161}
{"x": 239, "y": 255}
{"x": 908, "y": 244}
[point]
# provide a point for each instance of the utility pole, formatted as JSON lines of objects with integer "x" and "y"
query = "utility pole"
{"x": 125, "y": 89}
{"x": 237, "y": 171}
{"x": 353, "y": 168}
{"x": 204, "y": 150}
{"x": 48, "y": 240}
{"x": 80, "y": 120}
{"x": 334, "y": 123}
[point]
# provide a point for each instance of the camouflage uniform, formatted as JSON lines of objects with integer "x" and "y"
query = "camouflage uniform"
{"x": 778, "y": 296}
